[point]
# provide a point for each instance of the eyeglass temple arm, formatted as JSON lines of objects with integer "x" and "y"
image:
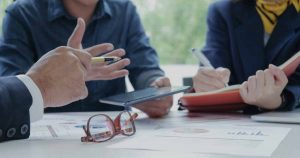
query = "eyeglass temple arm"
{"x": 87, "y": 138}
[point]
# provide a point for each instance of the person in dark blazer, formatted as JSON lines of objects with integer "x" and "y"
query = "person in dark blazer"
{"x": 246, "y": 41}
{"x": 56, "y": 79}
{"x": 23, "y": 97}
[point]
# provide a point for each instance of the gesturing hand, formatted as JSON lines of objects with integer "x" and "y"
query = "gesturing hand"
{"x": 265, "y": 88}
{"x": 99, "y": 71}
{"x": 60, "y": 76}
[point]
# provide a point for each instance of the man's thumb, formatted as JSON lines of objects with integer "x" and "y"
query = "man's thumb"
{"x": 77, "y": 35}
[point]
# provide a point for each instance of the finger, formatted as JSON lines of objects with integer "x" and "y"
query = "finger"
{"x": 117, "y": 52}
{"x": 224, "y": 74}
{"x": 155, "y": 108}
{"x": 75, "y": 39}
{"x": 244, "y": 92}
{"x": 100, "y": 49}
{"x": 211, "y": 72}
{"x": 152, "y": 112}
{"x": 269, "y": 80}
{"x": 107, "y": 69}
{"x": 98, "y": 64}
{"x": 252, "y": 86}
{"x": 157, "y": 83}
{"x": 84, "y": 57}
{"x": 166, "y": 82}
{"x": 97, "y": 75}
{"x": 280, "y": 77}
{"x": 210, "y": 81}
{"x": 118, "y": 65}
{"x": 203, "y": 87}
{"x": 161, "y": 82}
{"x": 114, "y": 75}
{"x": 260, "y": 77}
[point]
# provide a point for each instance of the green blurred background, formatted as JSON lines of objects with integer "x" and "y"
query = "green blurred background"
{"x": 174, "y": 26}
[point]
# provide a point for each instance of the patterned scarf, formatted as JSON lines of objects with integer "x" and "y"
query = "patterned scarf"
{"x": 270, "y": 10}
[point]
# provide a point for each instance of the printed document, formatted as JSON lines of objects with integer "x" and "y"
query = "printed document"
{"x": 226, "y": 139}
{"x": 59, "y": 127}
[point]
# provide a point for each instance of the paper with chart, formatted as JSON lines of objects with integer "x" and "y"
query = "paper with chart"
{"x": 233, "y": 140}
{"x": 58, "y": 127}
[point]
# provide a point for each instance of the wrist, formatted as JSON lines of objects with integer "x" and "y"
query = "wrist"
{"x": 275, "y": 103}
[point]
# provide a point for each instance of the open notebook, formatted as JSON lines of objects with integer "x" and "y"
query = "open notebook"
{"x": 228, "y": 98}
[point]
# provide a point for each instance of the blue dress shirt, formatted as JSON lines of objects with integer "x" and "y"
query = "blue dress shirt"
{"x": 32, "y": 28}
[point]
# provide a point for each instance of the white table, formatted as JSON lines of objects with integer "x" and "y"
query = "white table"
{"x": 289, "y": 148}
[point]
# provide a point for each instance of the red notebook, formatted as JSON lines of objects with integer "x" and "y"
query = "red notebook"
{"x": 228, "y": 98}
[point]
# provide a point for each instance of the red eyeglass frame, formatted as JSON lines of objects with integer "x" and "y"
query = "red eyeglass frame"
{"x": 116, "y": 128}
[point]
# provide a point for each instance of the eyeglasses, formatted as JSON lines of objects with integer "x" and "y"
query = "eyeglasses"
{"x": 101, "y": 128}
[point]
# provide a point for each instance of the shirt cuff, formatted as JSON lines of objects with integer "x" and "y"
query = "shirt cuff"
{"x": 36, "y": 110}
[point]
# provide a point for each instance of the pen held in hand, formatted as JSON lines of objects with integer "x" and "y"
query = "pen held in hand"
{"x": 110, "y": 59}
{"x": 203, "y": 59}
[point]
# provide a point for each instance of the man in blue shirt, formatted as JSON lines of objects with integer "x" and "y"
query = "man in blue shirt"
{"x": 32, "y": 27}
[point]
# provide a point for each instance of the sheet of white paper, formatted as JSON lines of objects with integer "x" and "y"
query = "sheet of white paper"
{"x": 59, "y": 127}
{"x": 233, "y": 140}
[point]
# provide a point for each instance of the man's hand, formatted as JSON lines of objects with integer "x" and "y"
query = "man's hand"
{"x": 60, "y": 75}
{"x": 265, "y": 88}
{"x": 99, "y": 71}
{"x": 209, "y": 79}
{"x": 160, "y": 107}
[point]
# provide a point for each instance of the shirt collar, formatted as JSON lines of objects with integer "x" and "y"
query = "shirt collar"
{"x": 102, "y": 10}
{"x": 56, "y": 10}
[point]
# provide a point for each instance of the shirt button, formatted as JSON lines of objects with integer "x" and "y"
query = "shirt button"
{"x": 11, "y": 132}
{"x": 24, "y": 129}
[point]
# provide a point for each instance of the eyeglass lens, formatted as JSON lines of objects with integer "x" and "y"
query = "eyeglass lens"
{"x": 126, "y": 124}
{"x": 101, "y": 128}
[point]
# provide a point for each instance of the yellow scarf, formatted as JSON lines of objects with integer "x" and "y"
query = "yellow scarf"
{"x": 270, "y": 10}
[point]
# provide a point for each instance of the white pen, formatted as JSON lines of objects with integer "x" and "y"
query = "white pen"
{"x": 203, "y": 59}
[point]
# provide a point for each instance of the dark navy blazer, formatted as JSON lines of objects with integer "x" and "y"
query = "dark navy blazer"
{"x": 235, "y": 39}
{"x": 15, "y": 101}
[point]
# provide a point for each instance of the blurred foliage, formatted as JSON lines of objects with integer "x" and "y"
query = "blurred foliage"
{"x": 174, "y": 26}
{"x": 3, "y": 5}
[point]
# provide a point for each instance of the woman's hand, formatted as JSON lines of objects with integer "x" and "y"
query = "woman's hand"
{"x": 265, "y": 88}
{"x": 209, "y": 79}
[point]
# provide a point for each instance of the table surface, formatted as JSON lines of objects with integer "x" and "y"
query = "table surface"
{"x": 76, "y": 149}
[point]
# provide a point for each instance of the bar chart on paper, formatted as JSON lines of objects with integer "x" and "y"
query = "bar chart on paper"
{"x": 58, "y": 127}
